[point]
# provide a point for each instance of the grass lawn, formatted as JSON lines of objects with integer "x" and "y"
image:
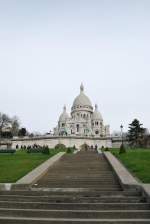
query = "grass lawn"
{"x": 137, "y": 161}
{"x": 13, "y": 167}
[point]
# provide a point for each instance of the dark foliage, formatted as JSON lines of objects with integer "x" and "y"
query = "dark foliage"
{"x": 122, "y": 149}
{"x": 135, "y": 133}
{"x": 45, "y": 150}
{"x": 38, "y": 149}
{"x": 12, "y": 151}
{"x": 60, "y": 146}
{"x": 70, "y": 149}
{"x": 22, "y": 132}
{"x": 7, "y": 134}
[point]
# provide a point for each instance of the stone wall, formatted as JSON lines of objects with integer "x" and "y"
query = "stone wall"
{"x": 117, "y": 141}
{"x": 4, "y": 144}
{"x": 52, "y": 141}
{"x": 67, "y": 141}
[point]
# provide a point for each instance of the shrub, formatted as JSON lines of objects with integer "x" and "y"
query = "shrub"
{"x": 60, "y": 146}
{"x": 12, "y": 151}
{"x": 38, "y": 149}
{"x": 74, "y": 147}
{"x": 122, "y": 149}
{"x": 28, "y": 150}
{"x": 106, "y": 149}
{"x": 45, "y": 150}
{"x": 69, "y": 150}
{"x": 34, "y": 150}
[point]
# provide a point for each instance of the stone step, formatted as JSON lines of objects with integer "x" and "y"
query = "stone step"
{"x": 79, "y": 184}
{"x": 96, "y": 172}
{"x": 24, "y": 220}
{"x": 49, "y": 186}
{"x": 70, "y": 191}
{"x": 82, "y": 214}
{"x": 85, "y": 180}
{"x": 75, "y": 206}
{"x": 86, "y": 167}
{"x": 82, "y": 177}
{"x": 103, "y": 187}
{"x": 85, "y": 177}
{"x": 73, "y": 199}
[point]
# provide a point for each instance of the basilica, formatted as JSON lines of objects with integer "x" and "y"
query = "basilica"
{"x": 84, "y": 121}
{"x": 84, "y": 125}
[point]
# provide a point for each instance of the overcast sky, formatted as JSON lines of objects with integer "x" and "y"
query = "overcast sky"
{"x": 48, "y": 47}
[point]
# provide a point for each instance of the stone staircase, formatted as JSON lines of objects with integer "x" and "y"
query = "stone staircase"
{"x": 81, "y": 170}
{"x": 80, "y": 188}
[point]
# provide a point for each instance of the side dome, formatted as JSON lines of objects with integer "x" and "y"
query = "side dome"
{"x": 96, "y": 114}
{"x": 64, "y": 116}
{"x": 82, "y": 99}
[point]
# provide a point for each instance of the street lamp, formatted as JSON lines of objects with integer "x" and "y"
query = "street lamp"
{"x": 121, "y": 127}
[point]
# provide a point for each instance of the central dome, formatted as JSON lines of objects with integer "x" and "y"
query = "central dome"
{"x": 81, "y": 100}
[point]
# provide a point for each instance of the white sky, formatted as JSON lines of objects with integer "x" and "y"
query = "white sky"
{"x": 48, "y": 47}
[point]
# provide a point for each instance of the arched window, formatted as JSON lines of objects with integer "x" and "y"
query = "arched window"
{"x": 77, "y": 127}
{"x": 96, "y": 132}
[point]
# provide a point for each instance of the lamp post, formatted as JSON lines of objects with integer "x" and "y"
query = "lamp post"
{"x": 121, "y": 127}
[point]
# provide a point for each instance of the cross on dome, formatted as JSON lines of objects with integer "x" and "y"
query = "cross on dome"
{"x": 82, "y": 87}
{"x": 64, "y": 108}
{"x": 96, "y": 107}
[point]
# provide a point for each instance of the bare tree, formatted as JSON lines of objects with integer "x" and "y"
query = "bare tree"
{"x": 15, "y": 124}
{"x": 4, "y": 122}
{"x": 12, "y": 124}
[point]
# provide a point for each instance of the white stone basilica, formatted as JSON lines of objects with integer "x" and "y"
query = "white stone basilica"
{"x": 83, "y": 126}
{"x": 83, "y": 121}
